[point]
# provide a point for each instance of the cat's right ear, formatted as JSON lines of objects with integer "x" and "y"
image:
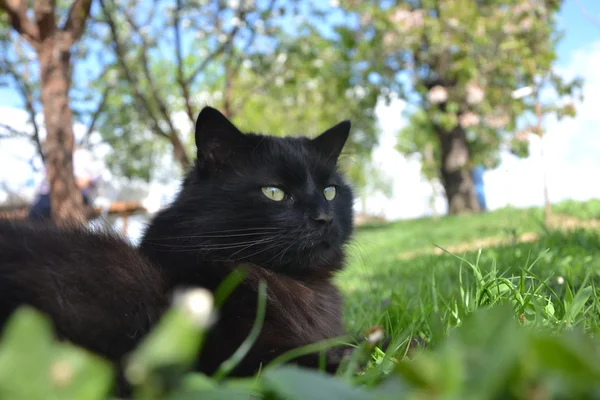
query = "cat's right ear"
{"x": 216, "y": 138}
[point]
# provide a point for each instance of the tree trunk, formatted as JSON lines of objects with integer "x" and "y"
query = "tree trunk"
{"x": 179, "y": 152}
{"x": 456, "y": 177}
{"x": 65, "y": 197}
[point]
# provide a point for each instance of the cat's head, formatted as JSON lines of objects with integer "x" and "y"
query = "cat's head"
{"x": 277, "y": 202}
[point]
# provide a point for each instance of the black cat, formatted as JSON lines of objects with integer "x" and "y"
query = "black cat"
{"x": 276, "y": 203}
{"x": 278, "y": 206}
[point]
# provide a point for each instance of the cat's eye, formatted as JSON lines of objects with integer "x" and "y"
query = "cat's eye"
{"x": 329, "y": 192}
{"x": 273, "y": 193}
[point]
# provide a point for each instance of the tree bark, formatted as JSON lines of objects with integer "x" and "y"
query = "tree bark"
{"x": 179, "y": 152}
{"x": 53, "y": 45}
{"x": 455, "y": 173}
{"x": 65, "y": 197}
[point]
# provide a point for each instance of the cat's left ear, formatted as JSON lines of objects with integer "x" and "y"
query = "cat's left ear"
{"x": 217, "y": 139}
{"x": 331, "y": 142}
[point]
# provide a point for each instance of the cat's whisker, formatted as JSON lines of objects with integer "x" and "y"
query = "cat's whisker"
{"x": 281, "y": 253}
{"x": 215, "y": 236}
{"x": 215, "y": 247}
{"x": 266, "y": 248}
{"x": 239, "y": 251}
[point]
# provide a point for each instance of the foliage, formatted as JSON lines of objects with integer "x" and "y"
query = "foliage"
{"x": 444, "y": 59}
{"x": 264, "y": 64}
{"x": 514, "y": 321}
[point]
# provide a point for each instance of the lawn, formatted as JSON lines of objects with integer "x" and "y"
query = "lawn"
{"x": 401, "y": 273}
{"x": 490, "y": 306}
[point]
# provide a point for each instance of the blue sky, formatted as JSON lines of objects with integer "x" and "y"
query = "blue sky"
{"x": 578, "y": 30}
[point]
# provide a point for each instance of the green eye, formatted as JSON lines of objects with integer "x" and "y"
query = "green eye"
{"x": 330, "y": 192}
{"x": 273, "y": 193}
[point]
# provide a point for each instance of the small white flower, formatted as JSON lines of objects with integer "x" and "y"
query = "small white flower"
{"x": 197, "y": 304}
{"x": 560, "y": 280}
{"x": 453, "y": 22}
{"x": 375, "y": 334}
{"x": 281, "y": 58}
{"x": 437, "y": 94}
{"x": 475, "y": 93}
{"x": 312, "y": 84}
{"x": 318, "y": 63}
{"x": 235, "y": 21}
{"x": 468, "y": 119}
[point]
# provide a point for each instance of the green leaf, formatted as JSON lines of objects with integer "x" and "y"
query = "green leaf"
{"x": 34, "y": 366}
{"x": 576, "y": 306}
{"x": 295, "y": 383}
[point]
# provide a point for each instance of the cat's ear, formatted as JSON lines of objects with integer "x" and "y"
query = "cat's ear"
{"x": 331, "y": 142}
{"x": 216, "y": 137}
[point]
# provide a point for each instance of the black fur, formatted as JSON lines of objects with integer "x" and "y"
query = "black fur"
{"x": 104, "y": 295}
{"x": 221, "y": 218}
{"x": 99, "y": 291}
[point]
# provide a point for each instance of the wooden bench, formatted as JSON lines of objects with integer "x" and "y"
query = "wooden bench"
{"x": 122, "y": 208}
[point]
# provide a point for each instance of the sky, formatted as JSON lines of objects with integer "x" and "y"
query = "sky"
{"x": 571, "y": 146}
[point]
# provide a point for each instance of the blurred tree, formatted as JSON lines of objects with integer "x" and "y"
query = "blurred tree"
{"x": 265, "y": 65}
{"x": 458, "y": 62}
{"x": 51, "y": 36}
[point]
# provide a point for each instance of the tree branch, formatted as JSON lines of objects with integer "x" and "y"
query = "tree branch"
{"x": 95, "y": 115}
{"x": 241, "y": 15}
{"x": 78, "y": 15}
{"x": 24, "y": 86}
{"x": 179, "y": 54}
{"x": 12, "y": 132}
{"x": 44, "y": 17}
{"x": 35, "y": 137}
{"x": 587, "y": 14}
{"x": 17, "y": 13}
{"x": 153, "y": 88}
{"x": 143, "y": 103}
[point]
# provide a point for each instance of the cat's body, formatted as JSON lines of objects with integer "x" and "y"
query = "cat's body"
{"x": 100, "y": 292}
{"x": 287, "y": 323}
{"x": 276, "y": 205}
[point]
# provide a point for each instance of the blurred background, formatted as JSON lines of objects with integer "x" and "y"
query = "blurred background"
{"x": 457, "y": 106}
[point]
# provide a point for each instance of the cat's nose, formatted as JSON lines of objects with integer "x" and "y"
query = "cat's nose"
{"x": 323, "y": 217}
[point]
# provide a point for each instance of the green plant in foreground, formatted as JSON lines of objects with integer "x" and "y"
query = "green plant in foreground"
{"x": 490, "y": 356}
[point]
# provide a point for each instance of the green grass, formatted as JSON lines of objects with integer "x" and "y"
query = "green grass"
{"x": 382, "y": 287}
{"x": 512, "y": 320}
{"x": 584, "y": 210}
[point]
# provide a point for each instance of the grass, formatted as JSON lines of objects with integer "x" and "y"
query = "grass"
{"x": 509, "y": 311}
{"x": 384, "y": 286}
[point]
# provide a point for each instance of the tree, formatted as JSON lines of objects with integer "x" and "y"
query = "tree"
{"x": 18, "y": 70}
{"x": 52, "y": 45}
{"x": 167, "y": 60}
{"x": 458, "y": 62}
{"x": 264, "y": 64}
